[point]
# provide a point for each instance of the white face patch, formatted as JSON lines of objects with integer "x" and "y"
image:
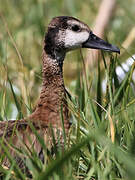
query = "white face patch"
{"x": 75, "y": 39}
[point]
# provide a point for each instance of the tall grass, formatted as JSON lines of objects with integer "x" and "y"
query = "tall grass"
{"x": 101, "y": 141}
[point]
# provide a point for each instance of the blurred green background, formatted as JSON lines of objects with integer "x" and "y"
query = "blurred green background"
{"x": 22, "y": 29}
{"x": 27, "y": 21}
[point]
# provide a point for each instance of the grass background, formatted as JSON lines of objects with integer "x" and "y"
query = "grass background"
{"x": 102, "y": 138}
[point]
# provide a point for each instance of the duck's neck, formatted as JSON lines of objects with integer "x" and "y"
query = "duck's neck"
{"x": 52, "y": 101}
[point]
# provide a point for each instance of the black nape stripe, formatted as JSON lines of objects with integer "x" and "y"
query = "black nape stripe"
{"x": 52, "y": 46}
{"x": 50, "y": 43}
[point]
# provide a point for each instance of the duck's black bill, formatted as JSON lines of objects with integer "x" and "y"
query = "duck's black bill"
{"x": 95, "y": 42}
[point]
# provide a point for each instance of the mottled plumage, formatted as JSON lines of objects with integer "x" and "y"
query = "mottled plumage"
{"x": 64, "y": 34}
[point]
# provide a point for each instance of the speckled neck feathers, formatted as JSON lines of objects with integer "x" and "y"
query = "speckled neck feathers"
{"x": 52, "y": 101}
{"x": 60, "y": 38}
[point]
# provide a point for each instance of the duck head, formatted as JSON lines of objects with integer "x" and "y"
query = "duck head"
{"x": 67, "y": 33}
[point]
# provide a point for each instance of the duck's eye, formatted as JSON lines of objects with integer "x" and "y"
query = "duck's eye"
{"x": 75, "y": 28}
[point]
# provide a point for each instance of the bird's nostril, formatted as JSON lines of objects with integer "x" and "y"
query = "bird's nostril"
{"x": 94, "y": 37}
{"x": 91, "y": 32}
